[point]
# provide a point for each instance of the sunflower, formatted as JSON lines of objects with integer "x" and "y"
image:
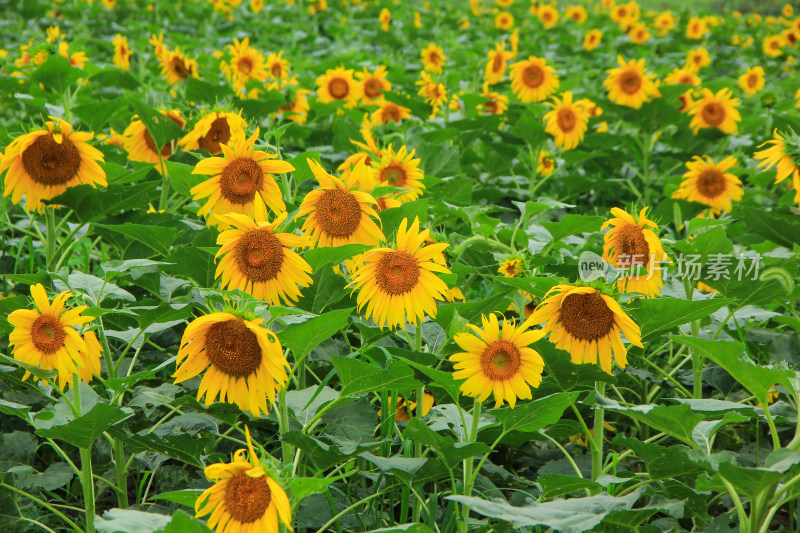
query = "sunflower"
{"x": 390, "y": 112}
{"x": 212, "y": 130}
{"x": 697, "y": 58}
{"x": 373, "y": 85}
{"x": 140, "y": 144}
{"x": 664, "y": 22}
{"x": 498, "y": 361}
{"x": 495, "y": 104}
{"x": 638, "y": 33}
{"x": 260, "y": 261}
{"x": 241, "y": 182}
{"x": 682, "y": 76}
{"x": 772, "y": 44}
{"x": 752, "y": 81}
{"x": 715, "y": 111}
{"x": 435, "y": 93}
{"x": 77, "y": 59}
{"x": 576, "y": 13}
{"x": 567, "y": 121}
{"x": 277, "y": 67}
{"x": 785, "y": 157}
{"x": 243, "y": 498}
{"x": 629, "y": 85}
{"x": 246, "y": 64}
{"x": 511, "y": 267}
{"x": 710, "y": 183}
{"x": 696, "y": 28}
{"x": 548, "y": 15}
{"x": 297, "y": 109}
{"x": 496, "y": 66}
{"x": 44, "y": 163}
{"x": 533, "y": 80}
{"x": 587, "y": 323}
{"x": 175, "y": 67}
{"x": 406, "y": 410}
{"x": 45, "y": 338}
{"x": 630, "y": 245}
{"x": 122, "y": 52}
{"x": 592, "y": 39}
{"x": 546, "y": 164}
{"x": 433, "y": 58}
{"x": 400, "y": 169}
{"x": 504, "y": 20}
{"x": 399, "y": 283}
{"x": 243, "y": 361}
{"x": 338, "y": 212}
{"x": 338, "y": 85}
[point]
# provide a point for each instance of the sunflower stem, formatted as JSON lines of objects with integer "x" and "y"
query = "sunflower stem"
{"x": 599, "y": 421}
{"x": 87, "y": 481}
{"x": 287, "y": 450}
{"x": 418, "y": 340}
{"x": 122, "y": 474}
{"x": 468, "y": 462}
{"x": 164, "y": 200}
{"x": 50, "y": 244}
{"x": 417, "y": 444}
{"x": 697, "y": 357}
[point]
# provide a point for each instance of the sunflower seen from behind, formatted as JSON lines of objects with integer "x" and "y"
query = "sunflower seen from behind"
{"x": 399, "y": 285}
{"x": 566, "y": 122}
{"x": 715, "y": 110}
{"x": 588, "y": 324}
{"x": 629, "y": 84}
{"x": 533, "y": 80}
{"x": 710, "y": 183}
{"x": 498, "y": 360}
{"x": 241, "y": 181}
{"x": 212, "y": 130}
{"x": 44, "y": 163}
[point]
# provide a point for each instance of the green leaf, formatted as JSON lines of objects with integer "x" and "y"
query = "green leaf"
{"x": 533, "y": 416}
{"x": 676, "y": 420}
{"x": 450, "y": 451}
{"x": 183, "y": 523}
{"x": 92, "y": 204}
{"x": 556, "y": 485}
{"x": 56, "y": 74}
{"x": 96, "y": 288}
{"x": 84, "y": 430}
{"x": 439, "y": 378}
{"x": 180, "y": 447}
{"x": 470, "y": 311}
{"x": 391, "y": 218}
{"x": 95, "y": 115}
{"x": 358, "y": 377}
{"x": 302, "y": 170}
{"x": 181, "y": 177}
{"x": 161, "y": 128}
{"x": 657, "y": 315}
{"x": 573, "y": 225}
{"x": 157, "y": 238}
{"x": 404, "y": 528}
{"x": 319, "y": 257}
{"x": 193, "y": 262}
{"x": 302, "y": 487}
{"x": 201, "y": 91}
{"x": 266, "y": 104}
{"x": 185, "y": 497}
{"x": 303, "y": 337}
{"x": 780, "y": 226}
{"x": 130, "y": 521}
{"x": 403, "y": 468}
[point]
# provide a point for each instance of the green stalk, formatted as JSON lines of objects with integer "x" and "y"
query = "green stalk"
{"x": 87, "y": 481}
{"x": 468, "y": 463}
{"x": 50, "y": 244}
{"x": 122, "y": 474}
{"x": 599, "y": 419}
{"x": 283, "y": 426}
{"x": 417, "y": 444}
{"x": 163, "y": 201}
{"x": 697, "y": 358}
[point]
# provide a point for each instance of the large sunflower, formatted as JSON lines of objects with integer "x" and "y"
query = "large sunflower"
{"x": 715, "y": 111}
{"x": 498, "y": 362}
{"x": 242, "y": 181}
{"x": 786, "y": 159}
{"x": 243, "y": 362}
{"x": 533, "y": 80}
{"x": 175, "y": 67}
{"x": 496, "y": 66}
{"x": 42, "y": 164}
{"x": 243, "y": 499}
{"x": 400, "y": 169}
{"x": 338, "y": 85}
{"x": 338, "y": 212}
{"x": 629, "y": 85}
{"x": 260, "y": 261}
{"x": 433, "y": 58}
{"x": 630, "y": 245}
{"x": 140, "y": 144}
{"x": 45, "y": 338}
{"x": 710, "y": 183}
{"x": 212, "y": 130}
{"x": 587, "y": 323}
{"x": 567, "y": 121}
{"x": 373, "y": 85}
{"x": 398, "y": 284}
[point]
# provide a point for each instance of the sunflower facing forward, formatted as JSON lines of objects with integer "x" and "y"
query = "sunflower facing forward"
{"x": 629, "y": 85}
{"x": 567, "y": 121}
{"x": 242, "y": 181}
{"x": 433, "y": 58}
{"x": 710, "y": 183}
{"x": 243, "y": 361}
{"x": 533, "y": 80}
{"x": 752, "y": 81}
{"x": 587, "y": 323}
{"x": 260, "y": 261}
{"x": 400, "y": 169}
{"x": 338, "y": 85}
{"x": 785, "y": 157}
{"x": 44, "y": 163}
{"x": 715, "y": 111}
{"x": 498, "y": 362}
{"x": 243, "y": 499}
{"x": 45, "y": 337}
{"x": 496, "y": 65}
{"x": 212, "y": 130}
{"x": 399, "y": 285}
{"x": 176, "y": 67}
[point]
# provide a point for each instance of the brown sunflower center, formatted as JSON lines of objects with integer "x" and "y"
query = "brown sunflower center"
{"x": 433, "y": 58}
{"x": 166, "y": 150}
{"x": 394, "y": 175}
{"x": 47, "y": 334}
{"x": 276, "y": 69}
{"x": 338, "y": 213}
{"x": 178, "y": 67}
{"x": 752, "y": 80}
{"x": 566, "y": 119}
{"x": 533, "y": 76}
{"x": 338, "y": 88}
{"x": 247, "y": 498}
{"x": 630, "y": 82}
{"x": 397, "y": 272}
{"x": 389, "y": 113}
{"x": 686, "y": 79}
{"x": 491, "y": 107}
{"x": 713, "y": 113}
{"x": 240, "y": 180}
{"x": 245, "y": 65}
{"x": 49, "y": 162}
{"x": 233, "y": 348}
{"x": 631, "y": 245}
{"x": 586, "y": 316}
{"x": 259, "y": 255}
{"x": 381, "y": 203}
{"x": 218, "y": 133}
{"x": 497, "y": 63}
{"x": 500, "y": 360}
{"x": 711, "y": 183}
{"x": 372, "y": 88}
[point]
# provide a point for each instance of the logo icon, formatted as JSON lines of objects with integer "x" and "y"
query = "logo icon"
{"x": 591, "y": 266}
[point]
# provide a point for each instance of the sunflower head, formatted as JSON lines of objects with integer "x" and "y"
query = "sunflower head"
{"x": 512, "y": 266}
{"x": 710, "y": 183}
{"x": 629, "y": 85}
{"x": 533, "y": 80}
{"x": 715, "y": 111}
{"x": 567, "y": 121}
{"x": 338, "y": 85}
{"x": 176, "y": 67}
{"x": 213, "y": 130}
{"x": 400, "y": 169}
{"x": 433, "y": 58}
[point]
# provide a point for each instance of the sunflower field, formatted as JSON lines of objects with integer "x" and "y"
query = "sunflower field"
{"x": 399, "y": 266}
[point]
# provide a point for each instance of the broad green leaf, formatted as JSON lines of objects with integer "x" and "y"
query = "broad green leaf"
{"x": 183, "y": 523}
{"x": 319, "y": 257}
{"x": 780, "y": 226}
{"x": 533, "y": 416}
{"x": 130, "y": 521}
{"x": 96, "y": 288}
{"x": 161, "y": 128}
{"x": 302, "y": 170}
{"x": 557, "y": 485}
{"x": 438, "y": 378}
{"x": 391, "y": 218}
{"x": 303, "y": 337}
{"x": 676, "y": 420}
{"x": 303, "y": 487}
{"x": 56, "y": 74}
{"x": 573, "y": 225}
{"x": 470, "y": 311}
{"x": 403, "y": 467}
{"x": 157, "y": 238}
{"x": 180, "y": 447}
{"x": 90, "y": 204}
{"x": 358, "y": 377}
{"x": 452, "y": 452}
{"x": 201, "y": 91}
{"x": 84, "y": 430}
{"x": 657, "y": 315}
{"x": 181, "y": 177}
{"x": 324, "y": 455}
{"x": 95, "y": 115}
{"x": 185, "y": 497}
{"x": 192, "y": 262}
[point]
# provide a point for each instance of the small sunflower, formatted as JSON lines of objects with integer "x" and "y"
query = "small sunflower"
{"x": 175, "y": 67}
{"x": 495, "y": 104}
{"x": 548, "y": 15}
{"x": 212, "y": 130}
{"x": 587, "y": 323}
{"x": 546, "y": 164}
{"x": 400, "y": 169}
{"x": 785, "y": 157}
{"x": 664, "y": 22}
{"x": 682, "y": 76}
{"x": 629, "y": 85}
{"x": 385, "y": 17}
{"x": 122, "y": 52}
{"x": 696, "y": 28}
{"x": 576, "y": 13}
{"x": 710, "y": 183}
{"x": 241, "y": 181}
{"x": 435, "y": 93}
{"x": 399, "y": 284}
{"x": 752, "y": 81}
{"x": 715, "y": 111}
{"x": 591, "y": 39}
{"x": 698, "y": 58}
{"x": 406, "y": 410}
{"x": 297, "y": 109}
{"x": 373, "y": 85}
{"x": 44, "y": 163}
{"x": 46, "y": 338}
{"x": 246, "y": 64}
{"x": 567, "y": 121}
{"x": 498, "y": 361}
{"x": 390, "y": 112}
{"x": 533, "y": 80}
{"x": 496, "y": 66}
{"x": 338, "y": 85}
{"x": 243, "y": 498}
{"x": 338, "y": 212}
{"x": 629, "y": 245}
{"x": 511, "y": 267}
{"x": 260, "y": 261}
{"x": 277, "y": 66}
{"x": 140, "y": 144}
{"x": 433, "y": 58}
{"x": 77, "y": 59}
{"x": 772, "y": 44}
{"x": 504, "y": 20}
{"x": 638, "y": 33}
{"x": 243, "y": 361}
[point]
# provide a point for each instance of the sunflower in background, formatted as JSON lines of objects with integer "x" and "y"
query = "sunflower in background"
{"x": 277, "y": 67}
{"x": 176, "y": 67}
{"x": 752, "y": 81}
{"x": 213, "y": 130}
{"x": 385, "y": 18}
{"x": 141, "y": 146}
{"x": 548, "y": 14}
{"x": 373, "y": 85}
{"x": 772, "y": 44}
{"x": 533, "y": 80}
{"x": 400, "y": 169}
{"x": 122, "y": 52}
{"x": 566, "y": 122}
{"x": 246, "y": 64}
{"x": 338, "y": 85}
{"x": 697, "y": 58}
{"x": 389, "y": 112}
{"x": 400, "y": 284}
{"x": 664, "y": 22}
{"x": 546, "y": 164}
{"x": 591, "y": 39}
{"x": 242, "y": 181}
{"x": 629, "y": 84}
{"x": 783, "y": 152}
{"x": 588, "y": 324}
{"x": 433, "y": 58}
{"x": 44, "y": 163}
{"x": 682, "y": 76}
{"x": 504, "y": 20}
{"x": 498, "y": 361}
{"x": 710, "y": 183}
{"x": 46, "y": 338}
{"x": 496, "y": 66}
{"x": 435, "y": 93}
{"x": 715, "y": 111}
{"x": 77, "y": 59}
{"x": 696, "y": 28}
{"x": 512, "y": 267}
{"x": 408, "y": 409}
{"x": 297, "y": 109}
{"x": 576, "y": 13}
